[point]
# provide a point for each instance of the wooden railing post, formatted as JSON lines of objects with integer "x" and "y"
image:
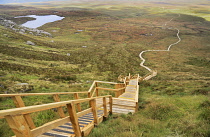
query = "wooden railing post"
{"x": 119, "y": 92}
{"x": 137, "y": 106}
{"x": 74, "y": 119}
{"x": 19, "y": 103}
{"x": 94, "y": 110}
{"x": 96, "y": 84}
{"x": 19, "y": 125}
{"x": 137, "y": 98}
{"x": 89, "y": 95}
{"x": 123, "y": 90}
{"x": 105, "y": 107}
{"x": 60, "y": 109}
{"x": 110, "y": 104}
{"x": 76, "y": 96}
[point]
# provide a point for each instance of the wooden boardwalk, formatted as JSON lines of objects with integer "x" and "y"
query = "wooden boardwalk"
{"x": 128, "y": 101}
{"x": 79, "y": 122}
{"x": 125, "y": 104}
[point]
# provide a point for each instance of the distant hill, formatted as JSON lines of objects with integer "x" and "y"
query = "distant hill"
{"x": 24, "y": 1}
{"x": 162, "y": 1}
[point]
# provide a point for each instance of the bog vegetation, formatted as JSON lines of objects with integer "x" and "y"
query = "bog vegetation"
{"x": 102, "y": 42}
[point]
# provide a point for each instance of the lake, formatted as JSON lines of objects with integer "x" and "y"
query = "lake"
{"x": 40, "y": 20}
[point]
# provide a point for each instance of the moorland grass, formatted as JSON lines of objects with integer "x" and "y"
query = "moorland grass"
{"x": 175, "y": 103}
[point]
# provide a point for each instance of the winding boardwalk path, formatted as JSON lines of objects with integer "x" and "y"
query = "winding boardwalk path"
{"x": 154, "y": 73}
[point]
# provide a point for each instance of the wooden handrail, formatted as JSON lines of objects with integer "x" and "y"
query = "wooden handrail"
{"x": 19, "y": 102}
{"x": 19, "y": 117}
{"x": 37, "y": 94}
{"x": 31, "y": 109}
{"x": 91, "y": 88}
{"x": 21, "y": 128}
{"x": 88, "y": 99}
{"x": 93, "y": 92}
{"x": 105, "y": 82}
{"x": 110, "y": 89}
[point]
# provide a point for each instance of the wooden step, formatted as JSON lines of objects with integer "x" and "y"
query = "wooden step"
{"x": 66, "y": 130}
{"x": 122, "y": 109}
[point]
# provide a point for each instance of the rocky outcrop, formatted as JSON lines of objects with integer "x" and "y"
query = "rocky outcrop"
{"x": 21, "y": 29}
{"x": 30, "y": 43}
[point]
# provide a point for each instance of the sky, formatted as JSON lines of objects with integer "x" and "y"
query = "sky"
{"x": 24, "y": 1}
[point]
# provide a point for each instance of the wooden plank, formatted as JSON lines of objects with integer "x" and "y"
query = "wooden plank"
{"x": 79, "y": 114}
{"x": 81, "y": 100}
{"x": 124, "y": 105}
{"x": 119, "y": 92}
{"x": 123, "y": 110}
{"x": 76, "y": 96}
{"x": 57, "y": 134}
{"x": 74, "y": 119}
{"x": 31, "y": 109}
{"x": 110, "y": 89}
{"x": 132, "y": 86}
{"x": 99, "y": 106}
{"x": 123, "y": 99}
{"x": 60, "y": 109}
{"x": 124, "y": 102}
{"x": 43, "y": 136}
{"x": 105, "y": 82}
{"x": 93, "y": 93}
{"x": 38, "y": 94}
{"x": 94, "y": 110}
{"x": 92, "y": 86}
{"x": 86, "y": 130}
{"x": 87, "y": 99}
{"x": 96, "y": 89}
{"x": 19, "y": 125}
{"x": 50, "y": 125}
{"x": 137, "y": 94}
{"x": 19, "y": 103}
{"x": 29, "y": 121}
{"x": 100, "y": 119}
{"x": 63, "y": 131}
{"x": 89, "y": 94}
{"x": 105, "y": 107}
{"x": 128, "y": 96}
{"x": 110, "y": 104}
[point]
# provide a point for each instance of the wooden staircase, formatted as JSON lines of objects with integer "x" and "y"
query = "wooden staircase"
{"x": 80, "y": 121}
{"x": 128, "y": 101}
{"x": 86, "y": 122}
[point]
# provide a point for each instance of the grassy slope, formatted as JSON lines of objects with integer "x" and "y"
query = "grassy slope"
{"x": 173, "y": 103}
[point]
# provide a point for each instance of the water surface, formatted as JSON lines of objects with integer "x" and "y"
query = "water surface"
{"x": 40, "y": 20}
